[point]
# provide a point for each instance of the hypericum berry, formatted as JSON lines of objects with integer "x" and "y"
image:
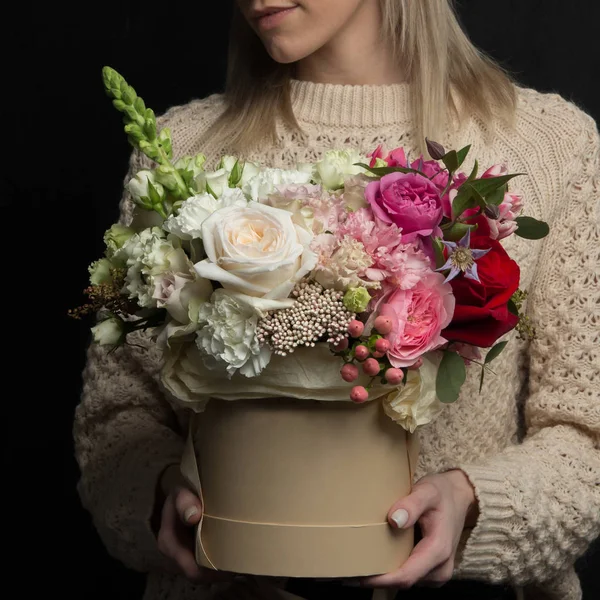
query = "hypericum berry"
{"x": 356, "y": 328}
{"x": 394, "y": 376}
{"x": 341, "y": 346}
{"x": 349, "y": 372}
{"x": 359, "y": 394}
{"x": 378, "y": 354}
{"x": 416, "y": 365}
{"x": 383, "y": 325}
{"x": 371, "y": 367}
{"x": 361, "y": 352}
{"x": 382, "y": 345}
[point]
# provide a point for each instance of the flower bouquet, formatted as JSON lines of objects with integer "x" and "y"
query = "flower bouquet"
{"x": 340, "y": 302}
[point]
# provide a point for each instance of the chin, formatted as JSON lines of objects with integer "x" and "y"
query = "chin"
{"x": 285, "y": 52}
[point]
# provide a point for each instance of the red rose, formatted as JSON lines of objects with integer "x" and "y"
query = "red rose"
{"x": 481, "y": 315}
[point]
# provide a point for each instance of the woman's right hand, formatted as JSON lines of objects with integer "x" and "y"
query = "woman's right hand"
{"x": 181, "y": 512}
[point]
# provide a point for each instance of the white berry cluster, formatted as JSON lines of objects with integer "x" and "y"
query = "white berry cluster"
{"x": 317, "y": 315}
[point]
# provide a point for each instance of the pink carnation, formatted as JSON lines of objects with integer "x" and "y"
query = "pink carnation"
{"x": 419, "y": 315}
{"x": 400, "y": 264}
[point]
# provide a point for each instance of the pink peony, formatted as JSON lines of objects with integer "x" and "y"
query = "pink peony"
{"x": 410, "y": 201}
{"x": 433, "y": 170}
{"x": 419, "y": 315}
{"x": 396, "y": 158}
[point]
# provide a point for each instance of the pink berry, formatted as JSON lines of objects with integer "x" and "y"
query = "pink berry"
{"x": 383, "y": 325}
{"x": 378, "y": 354}
{"x": 371, "y": 367}
{"x": 356, "y": 328}
{"x": 349, "y": 372}
{"x": 382, "y": 345}
{"x": 359, "y": 394}
{"x": 394, "y": 376}
{"x": 416, "y": 365}
{"x": 341, "y": 346}
{"x": 361, "y": 352}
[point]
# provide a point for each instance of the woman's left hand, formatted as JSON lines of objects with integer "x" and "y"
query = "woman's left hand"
{"x": 442, "y": 504}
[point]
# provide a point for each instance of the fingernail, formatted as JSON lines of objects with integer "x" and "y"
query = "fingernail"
{"x": 190, "y": 512}
{"x": 400, "y": 517}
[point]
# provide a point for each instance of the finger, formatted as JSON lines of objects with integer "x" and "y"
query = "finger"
{"x": 188, "y": 506}
{"x": 432, "y": 551}
{"x": 440, "y": 575}
{"x": 407, "y": 511}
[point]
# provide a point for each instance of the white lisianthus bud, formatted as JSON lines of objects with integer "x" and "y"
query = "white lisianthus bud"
{"x": 139, "y": 188}
{"x": 110, "y": 332}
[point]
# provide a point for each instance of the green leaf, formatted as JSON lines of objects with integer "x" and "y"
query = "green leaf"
{"x": 512, "y": 307}
{"x": 462, "y": 154}
{"x": 450, "y": 377}
{"x": 451, "y": 161}
{"x": 381, "y": 171}
{"x": 491, "y": 184}
{"x": 473, "y": 173}
{"x": 531, "y": 229}
{"x": 457, "y": 231}
{"x": 494, "y": 352}
{"x": 479, "y": 199}
{"x": 464, "y": 200}
{"x": 497, "y": 197}
{"x": 438, "y": 248}
{"x": 481, "y": 379}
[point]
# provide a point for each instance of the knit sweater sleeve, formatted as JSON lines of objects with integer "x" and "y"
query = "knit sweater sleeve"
{"x": 125, "y": 435}
{"x": 539, "y": 501}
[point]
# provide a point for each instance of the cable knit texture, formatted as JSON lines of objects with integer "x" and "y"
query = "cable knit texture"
{"x": 530, "y": 443}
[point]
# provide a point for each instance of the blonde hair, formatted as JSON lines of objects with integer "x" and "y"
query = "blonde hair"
{"x": 447, "y": 73}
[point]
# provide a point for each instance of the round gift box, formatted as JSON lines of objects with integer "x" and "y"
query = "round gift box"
{"x": 297, "y": 488}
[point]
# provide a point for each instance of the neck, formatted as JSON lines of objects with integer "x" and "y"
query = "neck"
{"x": 355, "y": 56}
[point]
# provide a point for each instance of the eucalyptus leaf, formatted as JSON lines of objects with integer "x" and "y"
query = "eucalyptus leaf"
{"x": 450, "y": 377}
{"x": 494, "y": 352}
{"x": 531, "y": 229}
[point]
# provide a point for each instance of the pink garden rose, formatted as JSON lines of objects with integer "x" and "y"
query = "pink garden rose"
{"x": 419, "y": 315}
{"x": 410, "y": 201}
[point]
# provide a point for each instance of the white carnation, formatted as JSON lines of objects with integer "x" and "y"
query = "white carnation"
{"x": 337, "y": 166}
{"x": 146, "y": 255}
{"x": 187, "y": 224}
{"x": 227, "y": 337}
{"x": 265, "y": 182}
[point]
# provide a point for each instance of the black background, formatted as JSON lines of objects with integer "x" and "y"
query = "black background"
{"x": 64, "y": 157}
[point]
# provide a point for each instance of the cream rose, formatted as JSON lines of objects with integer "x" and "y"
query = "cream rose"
{"x": 256, "y": 251}
{"x": 416, "y": 403}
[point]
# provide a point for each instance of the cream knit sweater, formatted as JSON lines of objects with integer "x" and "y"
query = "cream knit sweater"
{"x": 530, "y": 443}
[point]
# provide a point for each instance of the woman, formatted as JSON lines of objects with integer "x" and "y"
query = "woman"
{"x": 508, "y": 486}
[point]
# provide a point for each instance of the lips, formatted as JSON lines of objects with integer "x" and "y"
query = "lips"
{"x": 272, "y": 16}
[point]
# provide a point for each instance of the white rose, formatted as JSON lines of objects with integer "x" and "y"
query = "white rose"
{"x": 110, "y": 332}
{"x": 337, "y": 166}
{"x": 139, "y": 187}
{"x": 266, "y": 181}
{"x": 257, "y": 251}
{"x": 216, "y": 180}
{"x": 187, "y": 224}
{"x": 227, "y": 337}
{"x": 416, "y": 403}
